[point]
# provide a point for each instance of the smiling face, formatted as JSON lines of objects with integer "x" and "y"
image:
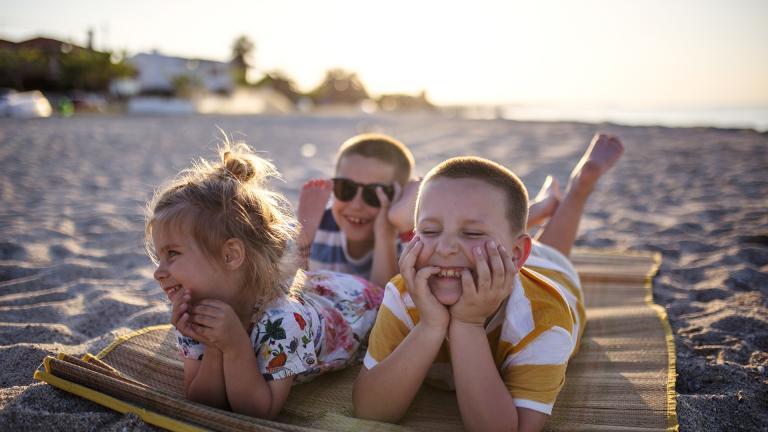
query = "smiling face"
{"x": 183, "y": 264}
{"x": 453, "y": 217}
{"x": 355, "y": 218}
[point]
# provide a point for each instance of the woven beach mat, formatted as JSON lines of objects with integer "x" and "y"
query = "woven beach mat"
{"x": 622, "y": 378}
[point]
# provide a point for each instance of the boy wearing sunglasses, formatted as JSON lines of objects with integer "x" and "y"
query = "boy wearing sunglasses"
{"x": 354, "y": 234}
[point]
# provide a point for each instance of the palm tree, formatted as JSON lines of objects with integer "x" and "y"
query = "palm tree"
{"x": 242, "y": 58}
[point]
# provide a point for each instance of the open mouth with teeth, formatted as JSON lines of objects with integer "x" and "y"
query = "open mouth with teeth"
{"x": 446, "y": 285}
{"x": 172, "y": 289}
{"x": 449, "y": 273}
{"x": 357, "y": 221}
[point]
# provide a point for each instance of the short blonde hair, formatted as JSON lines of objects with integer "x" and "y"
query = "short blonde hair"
{"x": 381, "y": 147}
{"x": 217, "y": 201}
{"x": 492, "y": 173}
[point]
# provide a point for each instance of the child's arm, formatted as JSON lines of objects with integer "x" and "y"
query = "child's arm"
{"x": 480, "y": 390}
{"x": 401, "y": 213}
{"x": 204, "y": 379}
{"x": 386, "y": 391}
{"x": 384, "y": 265}
{"x": 247, "y": 390}
{"x": 214, "y": 323}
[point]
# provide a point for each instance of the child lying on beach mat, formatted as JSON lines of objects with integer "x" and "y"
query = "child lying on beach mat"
{"x": 479, "y": 306}
{"x": 248, "y": 322}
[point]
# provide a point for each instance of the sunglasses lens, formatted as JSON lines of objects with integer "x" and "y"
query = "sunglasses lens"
{"x": 343, "y": 189}
{"x": 369, "y": 196}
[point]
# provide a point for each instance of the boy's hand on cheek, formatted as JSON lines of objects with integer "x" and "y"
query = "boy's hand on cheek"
{"x": 382, "y": 227}
{"x": 495, "y": 278}
{"x": 214, "y": 322}
{"x": 432, "y": 313}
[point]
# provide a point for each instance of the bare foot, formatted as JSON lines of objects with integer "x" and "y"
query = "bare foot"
{"x": 545, "y": 203}
{"x": 312, "y": 201}
{"x": 602, "y": 154}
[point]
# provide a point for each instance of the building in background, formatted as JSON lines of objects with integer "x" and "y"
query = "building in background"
{"x": 159, "y": 74}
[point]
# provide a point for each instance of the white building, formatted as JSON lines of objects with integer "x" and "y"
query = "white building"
{"x": 157, "y": 73}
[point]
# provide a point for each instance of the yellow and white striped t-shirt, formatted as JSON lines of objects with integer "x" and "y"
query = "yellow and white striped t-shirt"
{"x": 532, "y": 337}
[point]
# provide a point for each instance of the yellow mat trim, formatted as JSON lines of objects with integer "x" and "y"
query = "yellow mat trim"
{"x": 113, "y": 403}
{"x": 670, "y": 339}
{"x": 120, "y": 339}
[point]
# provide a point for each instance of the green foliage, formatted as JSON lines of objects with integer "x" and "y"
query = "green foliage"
{"x": 339, "y": 87}
{"x": 23, "y": 69}
{"x": 78, "y": 69}
{"x": 242, "y": 59}
{"x": 186, "y": 85}
{"x": 281, "y": 83}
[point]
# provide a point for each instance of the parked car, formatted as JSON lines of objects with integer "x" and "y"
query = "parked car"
{"x": 30, "y": 104}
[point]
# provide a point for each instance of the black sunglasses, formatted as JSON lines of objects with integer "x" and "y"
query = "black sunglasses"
{"x": 346, "y": 189}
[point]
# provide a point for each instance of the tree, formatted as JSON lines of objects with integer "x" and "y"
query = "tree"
{"x": 282, "y": 84}
{"x": 339, "y": 87}
{"x": 73, "y": 69}
{"x": 242, "y": 58}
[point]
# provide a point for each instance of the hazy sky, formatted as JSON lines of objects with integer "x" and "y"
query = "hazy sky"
{"x": 623, "y": 52}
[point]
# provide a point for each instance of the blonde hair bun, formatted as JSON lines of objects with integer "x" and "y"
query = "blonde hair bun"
{"x": 239, "y": 163}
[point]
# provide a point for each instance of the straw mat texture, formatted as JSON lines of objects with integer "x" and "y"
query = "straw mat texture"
{"x": 622, "y": 379}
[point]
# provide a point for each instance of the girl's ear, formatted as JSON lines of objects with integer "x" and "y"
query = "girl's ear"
{"x": 521, "y": 249}
{"x": 233, "y": 253}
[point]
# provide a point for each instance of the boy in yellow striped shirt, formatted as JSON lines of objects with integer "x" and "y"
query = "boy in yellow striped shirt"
{"x": 478, "y": 306}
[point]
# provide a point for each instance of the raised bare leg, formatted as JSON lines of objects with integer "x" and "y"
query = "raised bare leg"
{"x": 543, "y": 206}
{"x": 312, "y": 201}
{"x": 601, "y": 155}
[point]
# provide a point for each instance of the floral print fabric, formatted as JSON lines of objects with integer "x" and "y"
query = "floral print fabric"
{"x": 322, "y": 329}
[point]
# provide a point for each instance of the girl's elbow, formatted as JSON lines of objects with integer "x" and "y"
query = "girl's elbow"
{"x": 371, "y": 413}
{"x": 256, "y": 411}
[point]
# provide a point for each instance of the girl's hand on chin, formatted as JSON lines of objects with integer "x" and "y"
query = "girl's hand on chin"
{"x": 180, "y": 302}
{"x": 215, "y": 323}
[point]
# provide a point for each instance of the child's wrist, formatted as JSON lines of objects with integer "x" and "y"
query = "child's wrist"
{"x": 435, "y": 331}
{"x": 458, "y": 328}
{"x": 239, "y": 349}
{"x": 466, "y": 318}
{"x": 212, "y": 351}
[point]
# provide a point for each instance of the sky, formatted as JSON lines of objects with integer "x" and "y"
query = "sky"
{"x": 615, "y": 52}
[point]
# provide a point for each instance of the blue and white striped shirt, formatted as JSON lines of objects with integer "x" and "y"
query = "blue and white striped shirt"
{"x": 329, "y": 250}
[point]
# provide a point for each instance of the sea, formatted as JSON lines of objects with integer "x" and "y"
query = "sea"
{"x": 747, "y": 117}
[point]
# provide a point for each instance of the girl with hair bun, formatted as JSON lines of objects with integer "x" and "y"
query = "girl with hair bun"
{"x": 249, "y": 323}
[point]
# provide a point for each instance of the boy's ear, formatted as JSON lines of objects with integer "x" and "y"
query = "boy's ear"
{"x": 521, "y": 250}
{"x": 233, "y": 253}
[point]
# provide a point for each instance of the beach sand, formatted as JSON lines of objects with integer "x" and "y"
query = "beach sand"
{"x": 73, "y": 273}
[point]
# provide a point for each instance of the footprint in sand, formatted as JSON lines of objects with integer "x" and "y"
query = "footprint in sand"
{"x": 12, "y": 251}
{"x": 37, "y": 333}
{"x": 11, "y": 272}
{"x": 709, "y": 294}
{"x": 754, "y": 255}
{"x": 60, "y": 251}
{"x": 741, "y": 325}
{"x": 759, "y": 239}
{"x": 747, "y": 279}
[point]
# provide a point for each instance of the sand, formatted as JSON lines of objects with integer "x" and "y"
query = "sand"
{"x": 73, "y": 273}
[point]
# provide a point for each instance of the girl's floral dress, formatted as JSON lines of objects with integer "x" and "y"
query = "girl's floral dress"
{"x": 322, "y": 329}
